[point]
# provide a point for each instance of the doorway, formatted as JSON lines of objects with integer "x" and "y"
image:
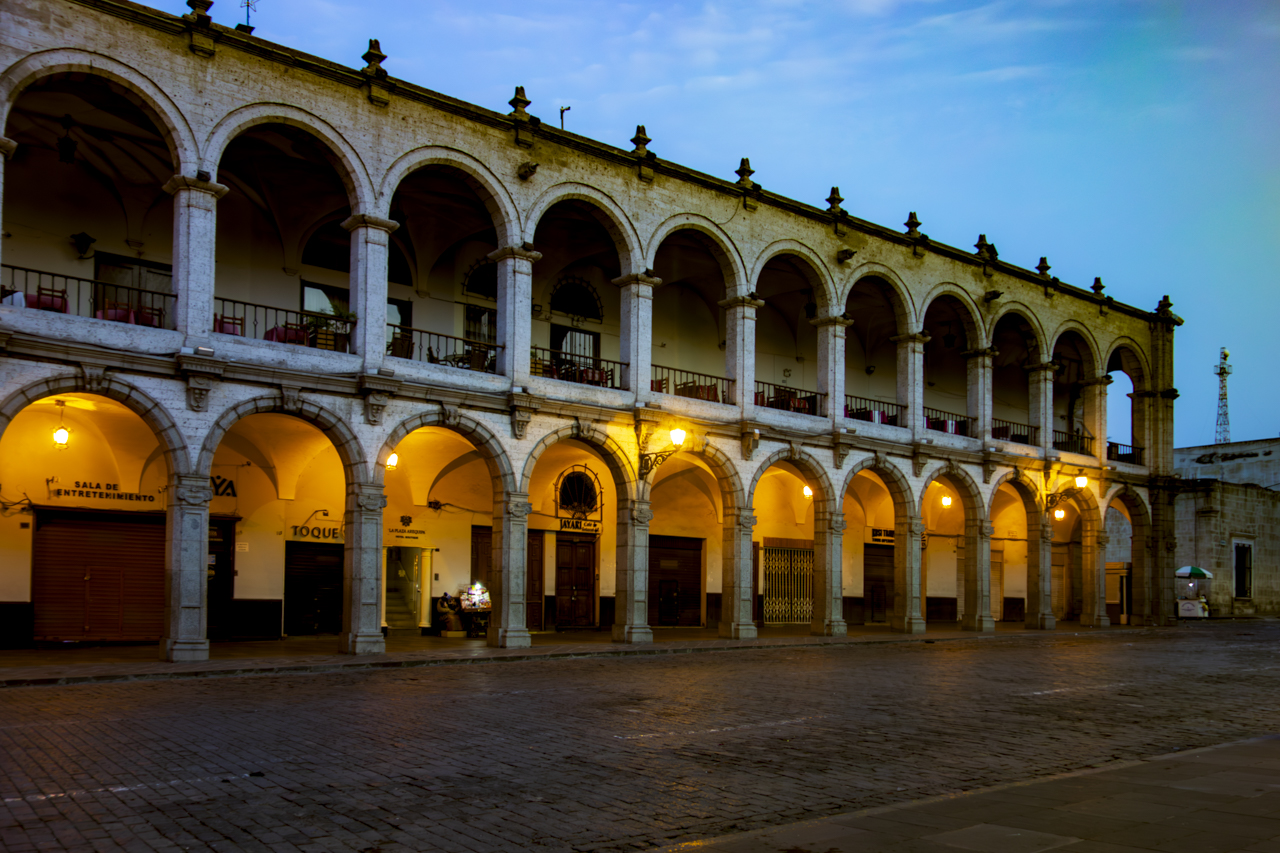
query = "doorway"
{"x": 675, "y": 581}
{"x": 575, "y": 581}
{"x": 312, "y": 588}
{"x": 877, "y": 574}
{"x": 222, "y": 577}
{"x": 788, "y": 580}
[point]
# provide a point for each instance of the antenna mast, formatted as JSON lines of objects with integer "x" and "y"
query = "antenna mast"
{"x": 1224, "y": 420}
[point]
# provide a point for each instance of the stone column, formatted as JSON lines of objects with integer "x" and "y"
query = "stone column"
{"x": 977, "y": 576}
{"x": 7, "y": 147}
{"x": 1040, "y": 387}
{"x": 828, "y": 576}
{"x": 1093, "y": 577}
{"x": 515, "y": 307}
{"x": 980, "y": 390}
{"x": 362, "y": 571}
{"x": 195, "y": 243}
{"x": 736, "y": 581}
{"x": 911, "y": 381}
{"x": 1039, "y": 613}
{"x": 740, "y": 352}
{"x": 631, "y": 611}
{"x": 637, "y": 330}
{"x": 1095, "y": 413}
{"x": 907, "y": 616}
{"x": 370, "y": 239}
{"x": 831, "y": 337}
{"x": 507, "y": 583}
{"x": 186, "y": 569}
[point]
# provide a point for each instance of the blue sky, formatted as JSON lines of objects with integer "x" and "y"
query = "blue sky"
{"x": 1135, "y": 140}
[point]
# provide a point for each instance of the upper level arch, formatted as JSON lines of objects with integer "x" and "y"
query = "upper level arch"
{"x": 889, "y": 286}
{"x": 164, "y": 112}
{"x": 966, "y": 311}
{"x": 1126, "y": 355}
{"x": 720, "y": 244}
{"x": 486, "y": 185}
{"x": 1072, "y": 333}
{"x": 809, "y": 265}
{"x": 1036, "y": 340}
{"x": 346, "y": 161}
{"x": 607, "y": 212}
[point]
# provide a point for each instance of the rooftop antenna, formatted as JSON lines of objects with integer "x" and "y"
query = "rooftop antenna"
{"x": 249, "y": 6}
{"x": 563, "y": 110}
{"x": 1224, "y": 420}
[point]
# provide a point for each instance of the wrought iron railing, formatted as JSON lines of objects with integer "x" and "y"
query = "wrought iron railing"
{"x": 875, "y": 411}
{"x": 433, "y": 348}
{"x": 940, "y": 421}
{"x": 282, "y": 326}
{"x": 1015, "y": 432}
{"x": 1072, "y": 442}
{"x": 569, "y": 367}
{"x": 1124, "y": 453}
{"x": 686, "y": 383}
{"x": 84, "y": 297}
{"x": 773, "y": 396}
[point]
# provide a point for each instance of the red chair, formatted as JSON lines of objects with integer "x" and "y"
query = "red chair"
{"x": 288, "y": 333}
{"x": 49, "y": 299}
{"x": 118, "y": 312}
{"x": 228, "y": 325}
{"x": 149, "y": 316}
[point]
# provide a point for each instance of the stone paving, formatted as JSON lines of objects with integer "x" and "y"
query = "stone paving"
{"x": 618, "y": 753}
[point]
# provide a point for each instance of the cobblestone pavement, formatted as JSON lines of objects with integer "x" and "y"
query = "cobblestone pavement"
{"x": 609, "y": 753}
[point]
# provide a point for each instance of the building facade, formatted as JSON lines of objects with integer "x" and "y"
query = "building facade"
{"x": 288, "y": 347}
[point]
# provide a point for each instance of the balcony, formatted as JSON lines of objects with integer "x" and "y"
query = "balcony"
{"x": 786, "y": 399}
{"x": 282, "y": 326}
{"x": 873, "y": 411}
{"x": 952, "y": 424}
{"x": 1015, "y": 432}
{"x": 82, "y": 297}
{"x": 1124, "y": 453}
{"x": 571, "y": 367}
{"x": 1072, "y": 442}
{"x": 434, "y": 348}
{"x": 686, "y": 383}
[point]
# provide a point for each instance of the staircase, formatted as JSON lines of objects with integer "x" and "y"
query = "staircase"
{"x": 401, "y": 620}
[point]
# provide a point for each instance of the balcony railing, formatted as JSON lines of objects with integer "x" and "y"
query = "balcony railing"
{"x": 433, "y": 348}
{"x": 282, "y": 326}
{"x": 875, "y": 411}
{"x": 569, "y": 367}
{"x": 686, "y": 383}
{"x": 1072, "y": 443}
{"x": 789, "y": 399}
{"x": 84, "y": 297}
{"x": 1015, "y": 432}
{"x": 1124, "y": 453}
{"x": 940, "y": 421}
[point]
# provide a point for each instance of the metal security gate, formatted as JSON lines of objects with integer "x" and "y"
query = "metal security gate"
{"x": 788, "y": 584}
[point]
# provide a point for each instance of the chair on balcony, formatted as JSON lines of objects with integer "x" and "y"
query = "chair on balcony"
{"x": 601, "y": 377}
{"x": 400, "y": 345}
{"x": 49, "y": 299}
{"x": 149, "y": 315}
{"x": 658, "y": 386}
{"x": 228, "y": 325}
{"x": 287, "y": 333}
{"x": 118, "y": 312}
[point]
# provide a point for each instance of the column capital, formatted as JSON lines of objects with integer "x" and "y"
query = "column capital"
{"x": 523, "y": 252}
{"x": 911, "y": 525}
{"x": 179, "y": 183}
{"x": 191, "y": 490}
{"x": 748, "y": 301}
{"x": 364, "y": 220}
{"x": 921, "y": 337}
{"x": 836, "y": 320}
{"x": 640, "y": 513}
{"x": 1041, "y": 366}
{"x": 746, "y": 520}
{"x": 1102, "y": 539}
{"x": 516, "y": 506}
{"x": 369, "y": 497}
{"x": 645, "y": 278}
{"x": 984, "y": 352}
{"x": 7, "y": 147}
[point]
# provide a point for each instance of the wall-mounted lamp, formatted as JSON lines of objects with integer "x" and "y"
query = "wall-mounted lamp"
{"x": 61, "y": 435}
{"x": 808, "y": 493}
{"x": 1059, "y": 514}
{"x": 946, "y": 500}
{"x": 650, "y": 461}
{"x": 392, "y": 461}
{"x": 1081, "y": 483}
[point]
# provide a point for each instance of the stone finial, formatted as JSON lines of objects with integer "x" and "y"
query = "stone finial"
{"x": 1043, "y": 268}
{"x": 199, "y": 12}
{"x": 913, "y": 225}
{"x": 640, "y": 140}
{"x": 518, "y": 104}
{"x": 744, "y": 172}
{"x": 374, "y": 57}
{"x": 1164, "y": 307}
{"x": 985, "y": 250}
{"x": 1098, "y": 286}
{"x": 834, "y": 200}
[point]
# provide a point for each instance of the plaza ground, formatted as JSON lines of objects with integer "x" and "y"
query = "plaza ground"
{"x": 648, "y": 751}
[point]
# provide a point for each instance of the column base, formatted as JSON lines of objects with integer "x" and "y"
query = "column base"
{"x": 1044, "y": 622}
{"x": 363, "y": 644}
{"x": 737, "y": 630}
{"x": 911, "y": 625}
{"x": 982, "y": 624}
{"x": 183, "y": 651}
{"x": 1100, "y": 621}
{"x": 632, "y": 634}
{"x": 834, "y": 628}
{"x": 509, "y": 638}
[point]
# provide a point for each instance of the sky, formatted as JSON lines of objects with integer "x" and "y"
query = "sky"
{"x": 1135, "y": 140}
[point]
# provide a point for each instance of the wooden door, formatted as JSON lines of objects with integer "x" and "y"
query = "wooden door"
{"x": 575, "y": 581}
{"x": 533, "y": 581}
{"x": 997, "y": 585}
{"x": 222, "y": 570}
{"x": 312, "y": 588}
{"x": 482, "y": 556}
{"x": 1058, "y": 582}
{"x": 877, "y": 581}
{"x": 675, "y": 581}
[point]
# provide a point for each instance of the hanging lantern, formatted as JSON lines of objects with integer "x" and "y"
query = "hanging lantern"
{"x": 1059, "y": 514}
{"x": 946, "y": 500}
{"x": 392, "y": 461}
{"x": 1082, "y": 482}
{"x": 61, "y": 435}
{"x": 677, "y": 436}
{"x": 808, "y": 493}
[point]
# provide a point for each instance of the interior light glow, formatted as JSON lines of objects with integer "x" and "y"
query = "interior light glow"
{"x": 1059, "y": 514}
{"x": 808, "y": 493}
{"x": 1082, "y": 481}
{"x": 677, "y": 436}
{"x": 61, "y": 436}
{"x": 392, "y": 461}
{"x": 946, "y": 500}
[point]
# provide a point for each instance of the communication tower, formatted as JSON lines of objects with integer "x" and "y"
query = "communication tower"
{"x": 1224, "y": 420}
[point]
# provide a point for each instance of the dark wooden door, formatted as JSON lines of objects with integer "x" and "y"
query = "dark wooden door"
{"x": 533, "y": 585}
{"x": 668, "y": 602}
{"x": 312, "y": 588}
{"x": 575, "y": 581}
{"x": 222, "y": 572}
{"x": 482, "y": 555}
{"x": 877, "y": 581}
{"x": 675, "y": 581}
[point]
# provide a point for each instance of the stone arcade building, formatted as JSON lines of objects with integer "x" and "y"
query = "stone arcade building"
{"x": 288, "y": 348}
